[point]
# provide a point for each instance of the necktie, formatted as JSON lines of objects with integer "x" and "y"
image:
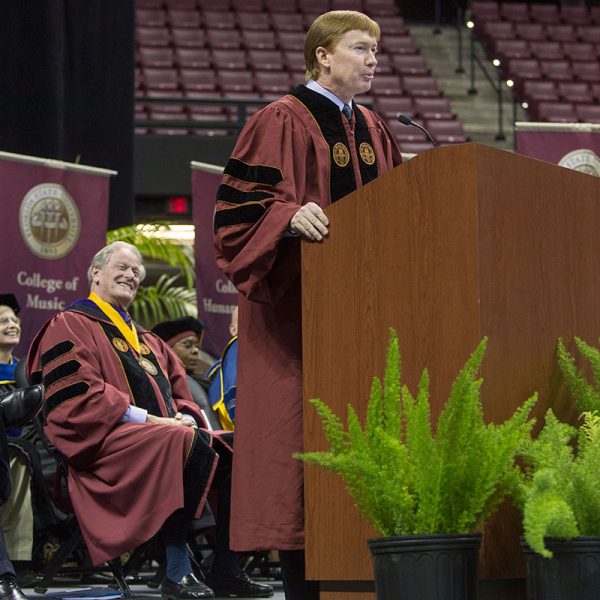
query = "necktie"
{"x": 347, "y": 110}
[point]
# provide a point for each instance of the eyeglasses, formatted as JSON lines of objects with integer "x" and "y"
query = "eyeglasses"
{"x": 9, "y": 320}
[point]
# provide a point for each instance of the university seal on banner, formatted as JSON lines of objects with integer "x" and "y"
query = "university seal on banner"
{"x": 341, "y": 155}
{"x": 49, "y": 221}
{"x": 583, "y": 160}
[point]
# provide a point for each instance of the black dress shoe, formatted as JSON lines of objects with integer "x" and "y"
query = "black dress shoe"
{"x": 240, "y": 585}
{"x": 9, "y": 590}
{"x": 21, "y": 405}
{"x": 189, "y": 588}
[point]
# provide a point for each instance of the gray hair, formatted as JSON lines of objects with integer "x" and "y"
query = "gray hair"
{"x": 103, "y": 256}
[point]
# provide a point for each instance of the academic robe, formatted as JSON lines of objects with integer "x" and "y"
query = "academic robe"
{"x": 294, "y": 151}
{"x": 124, "y": 479}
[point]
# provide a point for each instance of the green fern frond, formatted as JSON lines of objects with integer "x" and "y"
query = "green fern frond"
{"x": 587, "y": 396}
{"x": 405, "y": 479}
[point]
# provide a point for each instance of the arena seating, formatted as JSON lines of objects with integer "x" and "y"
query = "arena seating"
{"x": 551, "y": 53}
{"x": 245, "y": 49}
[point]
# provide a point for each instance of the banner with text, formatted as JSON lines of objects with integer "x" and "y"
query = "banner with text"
{"x": 572, "y": 145}
{"x": 54, "y": 218}
{"x": 217, "y": 297}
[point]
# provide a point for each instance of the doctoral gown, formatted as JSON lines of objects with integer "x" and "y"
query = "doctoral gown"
{"x": 297, "y": 150}
{"x": 124, "y": 479}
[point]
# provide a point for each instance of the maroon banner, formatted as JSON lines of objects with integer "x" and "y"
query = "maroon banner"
{"x": 217, "y": 297}
{"x": 54, "y": 220}
{"x": 574, "y": 146}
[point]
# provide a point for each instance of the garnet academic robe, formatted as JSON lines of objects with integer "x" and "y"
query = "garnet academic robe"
{"x": 297, "y": 150}
{"x": 125, "y": 479}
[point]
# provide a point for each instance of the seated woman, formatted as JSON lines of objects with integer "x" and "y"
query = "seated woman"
{"x": 28, "y": 510}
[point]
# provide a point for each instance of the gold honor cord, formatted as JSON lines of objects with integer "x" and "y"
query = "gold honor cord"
{"x": 129, "y": 333}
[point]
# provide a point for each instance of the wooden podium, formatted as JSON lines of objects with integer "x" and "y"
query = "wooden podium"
{"x": 457, "y": 243}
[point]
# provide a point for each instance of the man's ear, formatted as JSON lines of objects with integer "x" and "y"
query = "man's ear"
{"x": 322, "y": 55}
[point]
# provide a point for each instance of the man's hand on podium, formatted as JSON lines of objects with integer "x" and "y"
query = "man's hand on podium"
{"x": 310, "y": 222}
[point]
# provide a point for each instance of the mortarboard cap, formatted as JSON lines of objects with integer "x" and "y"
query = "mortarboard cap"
{"x": 176, "y": 329}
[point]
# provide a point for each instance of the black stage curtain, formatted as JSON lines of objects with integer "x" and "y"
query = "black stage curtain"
{"x": 66, "y": 86}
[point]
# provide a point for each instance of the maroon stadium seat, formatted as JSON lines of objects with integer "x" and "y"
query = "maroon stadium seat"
{"x": 538, "y": 90}
{"x": 516, "y": 12}
{"x": 433, "y": 108}
{"x": 533, "y": 32}
{"x": 181, "y": 4}
{"x": 386, "y": 85}
{"x": 378, "y": 8}
{"x": 270, "y": 83}
{"x": 586, "y": 71}
{"x": 564, "y": 32}
{"x": 198, "y": 80}
{"x": 347, "y": 5}
{"x": 259, "y": 39}
{"x": 544, "y": 13}
{"x": 398, "y": 44}
{"x": 222, "y": 5}
{"x": 578, "y": 92}
{"x": 236, "y": 81}
{"x": 588, "y": 113}
{"x": 160, "y": 79}
{"x": 595, "y": 14}
{"x": 230, "y": 59}
{"x": 277, "y": 6}
{"x": 486, "y": 11}
{"x": 547, "y": 50}
{"x": 294, "y": 60}
{"x": 580, "y": 51}
{"x": 446, "y": 131}
{"x": 152, "y": 36}
{"x": 248, "y": 6}
{"x": 557, "y": 70}
{"x": 291, "y": 40}
{"x": 410, "y": 64}
{"x": 254, "y": 21}
{"x": 150, "y": 56}
{"x": 193, "y": 58}
{"x": 575, "y": 14}
{"x": 507, "y": 49}
{"x": 384, "y": 64}
{"x": 223, "y": 39}
{"x": 186, "y": 19}
{"x": 556, "y": 112}
{"x": 216, "y": 19}
{"x": 167, "y": 108}
{"x": 406, "y": 133}
{"x": 589, "y": 33}
{"x": 420, "y": 85}
{"x": 391, "y": 106}
{"x": 287, "y": 22}
{"x": 414, "y": 147}
{"x": 311, "y": 6}
{"x": 150, "y": 17}
{"x": 392, "y": 25}
{"x": 266, "y": 60}
{"x": 188, "y": 38}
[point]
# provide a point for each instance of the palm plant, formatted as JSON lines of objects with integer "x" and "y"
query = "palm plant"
{"x": 165, "y": 299}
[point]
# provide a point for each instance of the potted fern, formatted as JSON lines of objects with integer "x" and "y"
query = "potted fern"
{"x": 424, "y": 486}
{"x": 560, "y": 492}
{"x": 560, "y": 500}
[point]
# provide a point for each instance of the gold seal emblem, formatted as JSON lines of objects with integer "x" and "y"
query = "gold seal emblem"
{"x": 367, "y": 153}
{"x": 341, "y": 155}
{"x": 148, "y": 366}
{"x": 120, "y": 344}
{"x": 49, "y": 221}
{"x": 144, "y": 349}
{"x": 583, "y": 160}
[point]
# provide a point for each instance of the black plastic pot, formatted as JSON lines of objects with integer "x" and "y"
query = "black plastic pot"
{"x": 426, "y": 567}
{"x": 573, "y": 571}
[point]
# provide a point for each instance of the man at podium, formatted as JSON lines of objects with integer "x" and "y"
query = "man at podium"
{"x": 292, "y": 159}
